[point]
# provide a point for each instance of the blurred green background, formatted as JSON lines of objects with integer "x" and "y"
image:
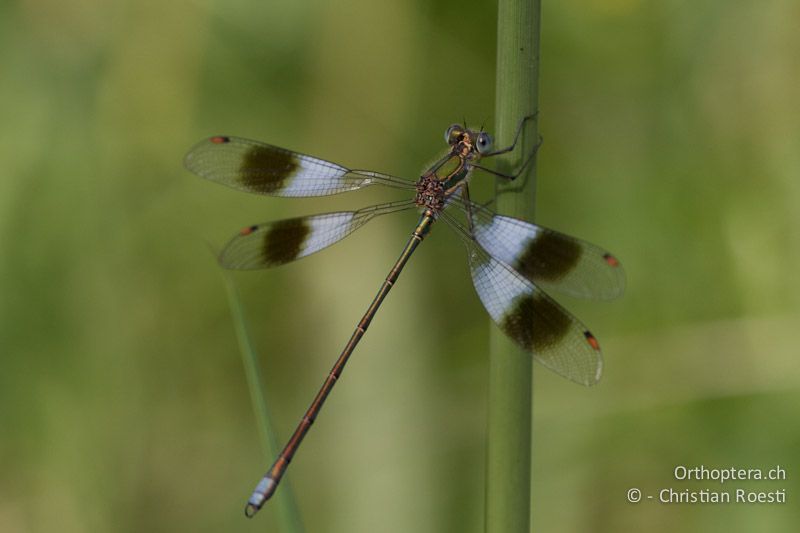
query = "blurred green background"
{"x": 671, "y": 138}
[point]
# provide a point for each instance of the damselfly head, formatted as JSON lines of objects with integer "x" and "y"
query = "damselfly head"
{"x": 467, "y": 142}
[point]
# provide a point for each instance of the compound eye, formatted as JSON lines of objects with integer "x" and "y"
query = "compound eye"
{"x": 484, "y": 142}
{"x": 453, "y": 134}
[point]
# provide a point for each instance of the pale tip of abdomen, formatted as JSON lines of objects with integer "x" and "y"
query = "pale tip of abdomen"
{"x": 260, "y": 495}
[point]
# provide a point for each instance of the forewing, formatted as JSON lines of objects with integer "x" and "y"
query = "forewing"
{"x": 261, "y": 168}
{"x": 550, "y": 259}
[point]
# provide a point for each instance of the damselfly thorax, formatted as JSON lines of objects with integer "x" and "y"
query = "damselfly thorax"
{"x": 449, "y": 175}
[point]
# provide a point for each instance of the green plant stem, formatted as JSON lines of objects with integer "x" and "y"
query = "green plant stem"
{"x": 509, "y": 446}
{"x": 288, "y": 516}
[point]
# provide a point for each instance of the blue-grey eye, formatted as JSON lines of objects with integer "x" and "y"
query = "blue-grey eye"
{"x": 453, "y": 134}
{"x": 484, "y": 142}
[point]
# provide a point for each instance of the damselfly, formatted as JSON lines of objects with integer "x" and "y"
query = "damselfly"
{"x": 511, "y": 261}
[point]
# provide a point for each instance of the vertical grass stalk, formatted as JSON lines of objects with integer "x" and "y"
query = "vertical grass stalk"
{"x": 509, "y": 446}
{"x": 286, "y": 507}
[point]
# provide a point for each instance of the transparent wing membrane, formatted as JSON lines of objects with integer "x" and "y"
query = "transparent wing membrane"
{"x": 275, "y": 243}
{"x": 533, "y": 320}
{"x": 261, "y": 168}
